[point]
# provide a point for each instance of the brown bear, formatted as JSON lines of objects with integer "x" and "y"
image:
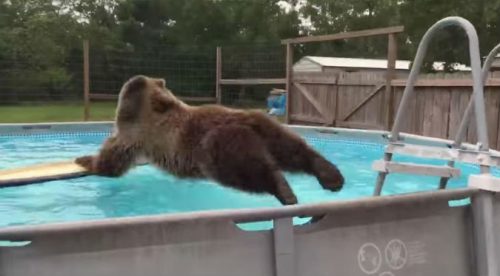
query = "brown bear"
{"x": 246, "y": 150}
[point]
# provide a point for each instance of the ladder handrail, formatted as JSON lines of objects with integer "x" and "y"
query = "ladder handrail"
{"x": 476, "y": 102}
{"x": 468, "y": 111}
{"x": 478, "y": 95}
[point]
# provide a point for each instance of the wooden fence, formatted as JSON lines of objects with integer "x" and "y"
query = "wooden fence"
{"x": 356, "y": 100}
{"x": 294, "y": 83}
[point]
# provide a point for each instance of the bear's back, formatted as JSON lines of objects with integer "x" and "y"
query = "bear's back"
{"x": 209, "y": 117}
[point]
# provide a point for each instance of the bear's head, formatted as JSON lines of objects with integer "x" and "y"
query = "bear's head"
{"x": 142, "y": 96}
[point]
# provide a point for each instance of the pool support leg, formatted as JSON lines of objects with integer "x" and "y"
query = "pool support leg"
{"x": 381, "y": 176}
{"x": 484, "y": 236}
{"x": 284, "y": 247}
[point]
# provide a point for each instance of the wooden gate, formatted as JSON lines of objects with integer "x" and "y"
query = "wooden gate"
{"x": 314, "y": 98}
{"x": 304, "y": 88}
{"x": 353, "y": 100}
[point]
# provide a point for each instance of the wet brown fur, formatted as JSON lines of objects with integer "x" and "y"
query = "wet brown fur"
{"x": 246, "y": 150}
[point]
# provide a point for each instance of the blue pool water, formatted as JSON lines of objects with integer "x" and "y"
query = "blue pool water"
{"x": 147, "y": 191}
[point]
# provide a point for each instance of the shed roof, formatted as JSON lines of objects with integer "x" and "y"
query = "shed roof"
{"x": 356, "y": 62}
{"x": 370, "y": 63}
{"x": 496, "y": 61}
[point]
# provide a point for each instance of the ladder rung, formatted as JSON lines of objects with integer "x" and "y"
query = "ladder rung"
{"x": 485, "y": 182}
{"x": 423, "y": 151}
{"x": 411, "y": 168}
{"x": 466, "y": 156}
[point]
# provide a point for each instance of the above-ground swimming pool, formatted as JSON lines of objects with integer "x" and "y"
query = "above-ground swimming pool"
{"x": 145, "y": 190}
{"x": 434, "y": 228}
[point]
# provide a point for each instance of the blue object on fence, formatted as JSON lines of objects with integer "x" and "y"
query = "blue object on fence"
{"x": 277, "y": 104}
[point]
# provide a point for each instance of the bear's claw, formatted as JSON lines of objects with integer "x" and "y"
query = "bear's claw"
{"x": 85, "y": 161}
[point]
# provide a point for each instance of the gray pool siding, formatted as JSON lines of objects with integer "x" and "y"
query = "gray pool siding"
{"x": 412, "y": 234}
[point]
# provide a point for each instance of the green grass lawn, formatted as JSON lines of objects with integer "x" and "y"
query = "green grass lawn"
{"x": 99, "y": 111}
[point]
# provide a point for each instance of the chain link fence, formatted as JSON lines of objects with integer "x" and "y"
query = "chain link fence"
{"x": 24, "y": 80}
{"x": 189, "y": 71}
{"x": 247, "y": 62}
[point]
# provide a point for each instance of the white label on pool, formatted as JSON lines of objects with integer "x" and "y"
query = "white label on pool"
{"x": 369, "y": 258}
{"x": 396, "y": 254}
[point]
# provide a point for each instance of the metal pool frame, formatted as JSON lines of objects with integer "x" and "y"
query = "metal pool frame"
{"x": 416, "y": 234}
{"x": 482, "y": 155}
{"x": 410, "y": 234}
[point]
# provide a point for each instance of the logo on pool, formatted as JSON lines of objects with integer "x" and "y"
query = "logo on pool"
{"x": 396, "y": 254}
{"x": 369, "y": 258}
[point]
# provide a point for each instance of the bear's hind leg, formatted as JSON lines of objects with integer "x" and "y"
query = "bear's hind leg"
{"x": 236, "y": 157}
{"x": 294, "y": 155}
{"x": 282, "y": 190}
{"x": 327, "y": 174}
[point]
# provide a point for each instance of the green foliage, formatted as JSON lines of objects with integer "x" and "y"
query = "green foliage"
{"x": 41, "y": 41}
{"x": 55, "y": 112}
{"x": 331, "y": 16}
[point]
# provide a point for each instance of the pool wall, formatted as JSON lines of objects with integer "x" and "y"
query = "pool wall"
{"x": 416, "y": 234}
{"x": 106, "y": 126}
{"x": 412, "y": 234}
{"x": 48, "y": 128}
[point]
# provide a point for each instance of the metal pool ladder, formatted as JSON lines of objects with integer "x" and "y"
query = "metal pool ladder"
{"x": 456, "y": 152}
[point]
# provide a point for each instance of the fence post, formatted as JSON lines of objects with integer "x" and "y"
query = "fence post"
{"x": 392, "y": 52}
{"x": 86, "y": 81}
{"x": 218, "y": 75}
{"x": 289, "y": 64}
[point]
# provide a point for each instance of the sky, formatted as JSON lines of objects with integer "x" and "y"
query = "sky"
{"x": 306, "y": 22}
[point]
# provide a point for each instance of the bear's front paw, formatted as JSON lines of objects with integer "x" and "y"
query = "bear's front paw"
{"x": 86, "y": 162}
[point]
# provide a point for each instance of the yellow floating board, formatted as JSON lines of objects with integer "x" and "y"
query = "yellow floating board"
{"x": 40, "y": 173}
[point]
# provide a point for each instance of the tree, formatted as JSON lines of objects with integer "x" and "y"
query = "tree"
{"x": 35, "y": 47}
{"x": 41, "y": 41}
{"x": 335, "y": 16}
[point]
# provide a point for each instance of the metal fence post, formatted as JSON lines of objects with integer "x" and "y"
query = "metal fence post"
{"x": 289, "y": 69}
{"x": 218, "y": 75}
{"x": 86, "y": 81}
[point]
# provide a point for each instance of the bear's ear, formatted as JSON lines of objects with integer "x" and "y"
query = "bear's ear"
{"x": 161, "y": 102}
{"x": 136, "y": 83}
{"x": 160, "y": 83}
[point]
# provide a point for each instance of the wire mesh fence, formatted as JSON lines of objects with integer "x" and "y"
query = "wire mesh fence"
{"x": 187, "y": 74}
{"x": 189, "y": 71}
{"x": 23, "y": 80}
{"x": 372, "y": 47}
{"x": 256, "y": 61}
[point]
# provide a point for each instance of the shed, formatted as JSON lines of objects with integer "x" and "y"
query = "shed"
{"x": 337, "y": 64}
{"x": 341, "y": 64}
{"x": 495, "y": 66}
